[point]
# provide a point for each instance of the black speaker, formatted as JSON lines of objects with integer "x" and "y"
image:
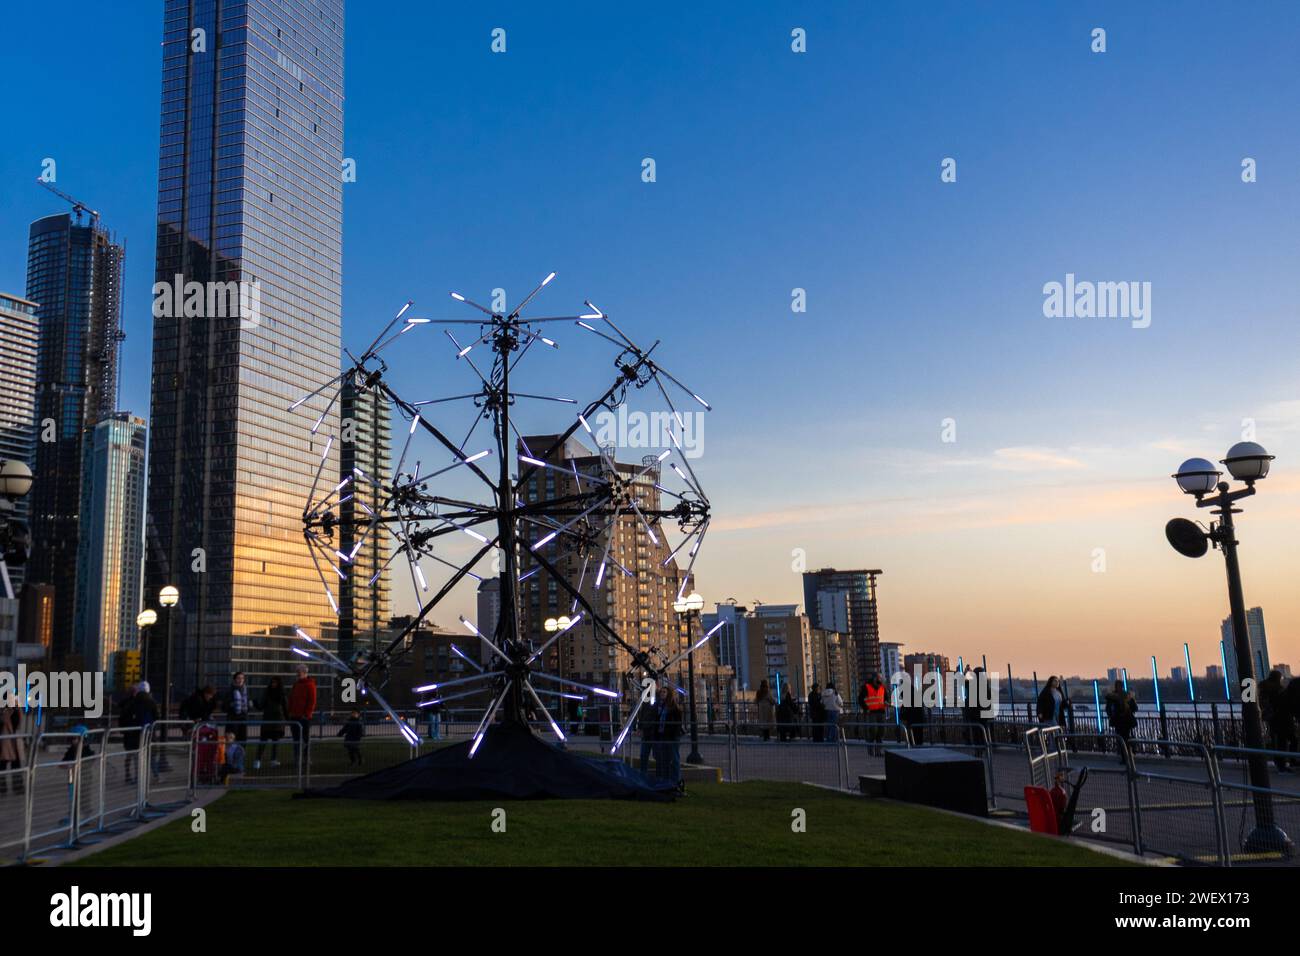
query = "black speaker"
{"x": 937, "y": 777}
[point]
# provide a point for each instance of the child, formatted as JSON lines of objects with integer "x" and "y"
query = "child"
{"x": 352, "y": 732}
{"x": 234, "y": 762}
{"x": 70, "y": 756}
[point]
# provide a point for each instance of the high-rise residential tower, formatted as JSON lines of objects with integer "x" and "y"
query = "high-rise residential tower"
{"x": 365, "y": 449}
{"x": 110, "y": 555}
{"x": 250, "y": 217}
{"x": 18, "y": 342}
{"x": 74, "y": 272}
{"x": 638, "y": 591}
{"x": 854, "y": 592}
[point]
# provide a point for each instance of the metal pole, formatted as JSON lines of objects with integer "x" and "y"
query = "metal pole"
{"x": 694, "y": 756}
{"x": 167, "y": 678}
{"x": 1267, "y": 835}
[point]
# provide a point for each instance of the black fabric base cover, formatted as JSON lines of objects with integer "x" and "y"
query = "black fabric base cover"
{"x": 937, "y": 777}
{"x": 512, "y": 763}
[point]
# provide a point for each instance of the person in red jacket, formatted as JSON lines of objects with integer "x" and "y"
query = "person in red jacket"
{"x": 302, "y": 705}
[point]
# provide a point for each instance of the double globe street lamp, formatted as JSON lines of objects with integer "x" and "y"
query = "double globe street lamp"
{"x": 1247, "y": 462}
{"x": 556, "y": 626}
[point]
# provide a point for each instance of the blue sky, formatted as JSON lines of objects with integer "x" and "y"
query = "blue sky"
{"x": 778, "y": 170}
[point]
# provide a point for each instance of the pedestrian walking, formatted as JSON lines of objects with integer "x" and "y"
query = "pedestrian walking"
{"x": 352, "y": 731}
{"x": 1121, "y": 711}
{"x": 1053, "y": 705}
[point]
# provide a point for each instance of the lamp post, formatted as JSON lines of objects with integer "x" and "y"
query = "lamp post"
{"x": 145, "y": 620}
{"x": 554, "y": 625}
{"x": 689, "y": 608}
{"x": 1247, "y": 462}
{"x": 168, "y": 597}
{"x": 15, "y": 482}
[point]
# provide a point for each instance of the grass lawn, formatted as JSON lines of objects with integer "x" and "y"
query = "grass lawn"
{"x": 745, "y": 824}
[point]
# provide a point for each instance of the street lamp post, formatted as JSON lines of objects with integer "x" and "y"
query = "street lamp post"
{"x": 168, "y": 597}
{"x": 689, "y": 608}
{"x": 1247, "y": 462}
{"x": 145, "y": 620}
{"x": 557, "y": 625}
{"x": 15, "y": 483}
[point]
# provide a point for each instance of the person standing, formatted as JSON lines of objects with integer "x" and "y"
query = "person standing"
{"x": 647, "y": 725}
{"x": 275, "y": 711}
{"x": 1291, "y": 701}
{"x": 13, "y": 752}
{"x": 302, "y": 705}
{"x": 138, "y": 712}
{"x": 199, "y": 706}
{"x": 1121, "y": 710}
{"x": 873, "y": 704}
{"x": 766, "y": 709}
{"x": 786, "y": 714}
{"x": 434, "y": 715}
{"x": 237, "y": 707}
{"x": 668, "y": 738}
{"x": 1273, "y": 707}
{"x": 817, "y": 713}
{"x": 833, "y": 703}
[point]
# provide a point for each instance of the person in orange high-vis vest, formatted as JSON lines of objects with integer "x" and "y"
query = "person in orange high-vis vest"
{"x": 873, "y": 702}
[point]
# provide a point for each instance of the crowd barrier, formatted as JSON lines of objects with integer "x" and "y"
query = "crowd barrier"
{"x": 1188, "y": 800}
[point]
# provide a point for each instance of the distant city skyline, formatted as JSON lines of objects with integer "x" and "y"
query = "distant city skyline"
{"x": 1035, "y": 535}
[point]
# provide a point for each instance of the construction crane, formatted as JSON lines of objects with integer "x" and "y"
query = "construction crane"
{"x": 78, "y": 207}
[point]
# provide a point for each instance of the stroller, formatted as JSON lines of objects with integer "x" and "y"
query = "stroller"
{"x": 207, "y": 754}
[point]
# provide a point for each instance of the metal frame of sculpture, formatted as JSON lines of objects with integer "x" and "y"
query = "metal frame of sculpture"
{"x": 582, "y": 523}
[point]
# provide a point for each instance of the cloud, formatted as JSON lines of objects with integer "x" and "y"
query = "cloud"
{"x": 1030, "y": 458}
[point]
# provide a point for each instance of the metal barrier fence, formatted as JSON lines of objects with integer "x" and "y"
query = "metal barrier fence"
{"x": 1184, "y": 799}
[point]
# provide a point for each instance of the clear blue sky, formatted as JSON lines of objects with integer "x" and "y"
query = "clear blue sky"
{"x": 779, "y": 170}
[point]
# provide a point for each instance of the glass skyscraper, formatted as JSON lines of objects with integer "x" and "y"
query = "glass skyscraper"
{"x": 18, "y": 340}
{"x": 110, "y": 553}
{"x": 1260, "y": 662}
{"x": 74, "y": 272}
{"x": 249, "y": 192}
